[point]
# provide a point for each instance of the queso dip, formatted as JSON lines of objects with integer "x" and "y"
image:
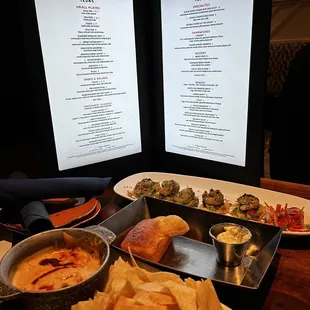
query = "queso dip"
{"x": 55, "y": 268}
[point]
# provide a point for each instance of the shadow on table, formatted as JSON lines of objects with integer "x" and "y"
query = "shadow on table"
{"x": 295, "y": 243}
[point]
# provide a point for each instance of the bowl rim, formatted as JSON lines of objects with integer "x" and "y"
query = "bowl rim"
{"x": 8, "y": 283}
{"x": 230, "y": 224}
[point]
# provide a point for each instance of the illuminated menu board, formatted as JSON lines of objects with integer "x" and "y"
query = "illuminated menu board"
{"x": 89, "y": 58}
{"x": 206, "y": 65}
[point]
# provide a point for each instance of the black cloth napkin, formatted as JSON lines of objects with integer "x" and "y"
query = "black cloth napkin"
{"x": 35, "y": 217}
{"x": 19, "y": 192}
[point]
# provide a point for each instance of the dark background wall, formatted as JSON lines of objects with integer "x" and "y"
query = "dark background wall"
{"x": 20, "y": 148}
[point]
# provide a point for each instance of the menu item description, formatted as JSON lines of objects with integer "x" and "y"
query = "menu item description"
{"x": 89, "y": 56}
{"x": 206, "y": 65}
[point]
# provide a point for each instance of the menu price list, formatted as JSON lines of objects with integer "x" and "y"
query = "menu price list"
{"x": 92, "y": 79}
{"x": 206, "y": 63}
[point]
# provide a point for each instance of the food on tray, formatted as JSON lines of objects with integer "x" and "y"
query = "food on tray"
{"x": 133, "y": 288}
{"x": 150, "y": 238}
{"x": 56, "y": 267}
{"x": 234, "y": 234}
{"x": 248, "y": 207}
{"x": 214, "y": 201}
{"x": 145, "y": 187}
{"x": 186, "y": 197}
{"x": 168, "y": 188}
{"x": 289, "y": 218}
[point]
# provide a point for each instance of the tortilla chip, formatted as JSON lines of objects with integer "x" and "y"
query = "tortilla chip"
{"x": 103, "y": 301}
{"x": 155, "y": 298}
{"x": 184, "y": 295}
{"x": 159, "y": 276}
{"x": 122, "y": 287}
{"x": 142, "y": 298}
{"x": 116, "y": 273}
{"x": 137, "y": 273}
{"x": 124, "y": 303}
{"x": 163, "y": 277}
{"x": 151, "y": 287}
{"x": 133, "y": 262}
{"x": 191, "y": 283}
{"x": 82, "y": 305}
{"x": 206, "y": 296}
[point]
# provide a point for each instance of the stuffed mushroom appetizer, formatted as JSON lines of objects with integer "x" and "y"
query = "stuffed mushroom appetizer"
{"x": 248, "y": 207}
{"x": 214, "y": 201}
{"x": 145, "y": 187}
{"x": 168, "y": 188}
{"x": 186, "y": 197}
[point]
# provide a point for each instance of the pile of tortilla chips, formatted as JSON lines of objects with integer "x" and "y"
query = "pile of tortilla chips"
{"x": 133, "y": 288}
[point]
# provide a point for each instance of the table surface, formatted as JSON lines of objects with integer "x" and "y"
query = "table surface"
{"x": 291, "y": 286}
{"x": 286, "y": 285}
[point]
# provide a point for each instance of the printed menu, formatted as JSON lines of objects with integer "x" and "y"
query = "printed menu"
{"x": 206, "y": 65}
{"x": 89, "y": 58}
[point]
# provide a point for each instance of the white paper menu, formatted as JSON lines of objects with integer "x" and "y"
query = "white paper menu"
{"x": 89, "y": 58}
{"x": 206, "y": 65}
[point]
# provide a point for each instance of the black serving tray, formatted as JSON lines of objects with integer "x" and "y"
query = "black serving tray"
{"x": 193, "y": 254}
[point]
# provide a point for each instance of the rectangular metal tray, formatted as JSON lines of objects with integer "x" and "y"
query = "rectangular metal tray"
{"x": 193, "y": 254}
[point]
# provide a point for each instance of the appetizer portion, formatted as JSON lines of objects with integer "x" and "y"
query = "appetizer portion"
{"x": 248, "y": 207}
{"x": 131, "y": 287}
{"x": 186, "y": 197}
{"x": 168, "y": 188}
{"x": 214, "y": 201}
{"x": 145, "y": 187}
{"x": 289, "y": 218}
{"x": 54, "y": 268}
{"x": 150, "y": 238}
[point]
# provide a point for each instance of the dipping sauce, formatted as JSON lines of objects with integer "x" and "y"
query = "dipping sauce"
{"x": 54, "y": 268}
{"x": 234, "y": 235}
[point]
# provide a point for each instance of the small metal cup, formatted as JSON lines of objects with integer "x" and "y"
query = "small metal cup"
{"x": 228, "y": 254}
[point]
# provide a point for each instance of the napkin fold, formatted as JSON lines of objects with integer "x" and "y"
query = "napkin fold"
{"x": 35, "y": 217}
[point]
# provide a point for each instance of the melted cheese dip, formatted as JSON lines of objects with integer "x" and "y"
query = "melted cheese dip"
{"x": 51, "y": 269}
{"x": 234, "y": 235}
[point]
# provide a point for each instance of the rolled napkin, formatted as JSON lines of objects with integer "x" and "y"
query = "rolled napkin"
{"x": 35, "y": 217}
{"x": 19, "y": 192}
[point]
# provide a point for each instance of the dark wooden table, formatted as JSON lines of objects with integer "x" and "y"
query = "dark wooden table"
{"x": 286, "y": 285}
{"x": 291, "y": 286}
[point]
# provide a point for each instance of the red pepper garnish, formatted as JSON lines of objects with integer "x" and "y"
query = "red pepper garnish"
{"x": 288, "y": 218}
{"x": 278, "y": 209}
{"x": 296, "y": 225}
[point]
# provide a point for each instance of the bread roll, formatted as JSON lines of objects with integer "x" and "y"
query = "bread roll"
{"x": 151, "y": 237}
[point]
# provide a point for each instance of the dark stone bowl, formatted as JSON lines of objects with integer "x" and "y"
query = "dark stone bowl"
{"x": 61, "y": 299}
